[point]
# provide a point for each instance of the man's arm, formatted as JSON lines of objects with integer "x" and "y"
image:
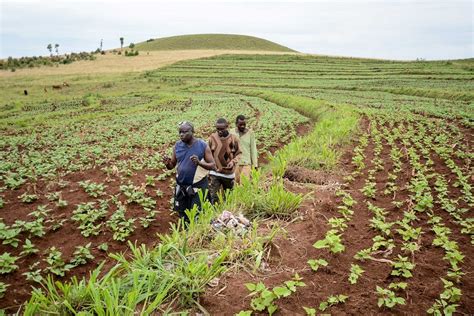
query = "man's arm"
{"x": 253, "y": 151}
{"x": 208, "y": 163}
{"x": 238, "y": 152}
{"x": 170, "y": 163}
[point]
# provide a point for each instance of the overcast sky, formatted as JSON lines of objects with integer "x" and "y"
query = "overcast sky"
{"x": 399, "y": 29}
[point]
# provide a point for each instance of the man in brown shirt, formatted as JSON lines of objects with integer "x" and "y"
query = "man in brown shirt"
{"x": 225, "y": 148}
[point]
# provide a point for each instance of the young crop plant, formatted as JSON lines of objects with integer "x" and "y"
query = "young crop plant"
{"x": 402, "y": 267}
{"x": 315, "y": 264}
{"x": 356, "y": 272}
{"x": 28, "y": 198}
{"x": 103, "y": 247}
{"x": 363, "y": 254}
{"x": 331, "y": 241}
{"x": 92, "y": 188}
{"x": 40, "y": 212}
{"x": 56, "y": 264}
{"x": 3, "y": 289}
{"x": 61, "y": 203}
{"x": 87, "y": 215}
{"x": 120, "y": 226}
{"x": 264, "y": 298}
{"x": 388, "y": 298}
{"x": 7, "y": 263}
{"x": 332, "y": 300}
{"x": 149, "y": 181}
{"x": 369, "y": 189}
{"x": 398, "y": 286}
{"x": 28, "y": 248}
{"x": 13, "y": 181}
{"x": 446, "y": 304}
{"x": 33, "y": 275}
{"x": 9, "y": 235}
{"x": 409, "y": 233}
{"x": 82, "y": 255}
{"x": 381, "y": 241}
{"x": 53, "y": 196}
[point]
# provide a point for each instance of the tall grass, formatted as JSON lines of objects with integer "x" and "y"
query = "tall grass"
{"x": 174, "y": 273}
{"x": 254, "y": 198}
{"x": 333, "y": 126}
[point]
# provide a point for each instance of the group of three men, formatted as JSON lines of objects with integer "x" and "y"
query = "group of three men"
{"x": 214, "y": 165}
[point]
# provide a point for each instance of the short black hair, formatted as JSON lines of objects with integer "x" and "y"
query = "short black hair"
{"x": 222, "y": 121}
{"x": 240, "y": 117}
{"x": 186, "y": 123}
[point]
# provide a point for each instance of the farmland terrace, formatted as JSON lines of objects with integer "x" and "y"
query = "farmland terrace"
{"x": 366, "y": 207}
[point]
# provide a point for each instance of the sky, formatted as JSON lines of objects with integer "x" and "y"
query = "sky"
{"x": 401, "y": 29}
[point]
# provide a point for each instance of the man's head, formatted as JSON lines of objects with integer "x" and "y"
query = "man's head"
{"x": 241, "y": 123}
{"x": 221, "y": 127}
{"x": 186, "y": 131}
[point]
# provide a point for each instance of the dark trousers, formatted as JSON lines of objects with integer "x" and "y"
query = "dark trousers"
{"x": 216, "y": 184}
{"x": 185, "y": 197}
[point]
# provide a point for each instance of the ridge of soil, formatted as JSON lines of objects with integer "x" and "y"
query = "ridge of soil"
{"x": 68, "y": 237}
{"x": 290, "y": 253}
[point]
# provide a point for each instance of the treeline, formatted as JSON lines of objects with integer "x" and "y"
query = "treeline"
{"x": 38, "y": 61}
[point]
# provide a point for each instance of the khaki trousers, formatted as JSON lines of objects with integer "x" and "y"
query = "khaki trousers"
{"x": 242, "y": 170}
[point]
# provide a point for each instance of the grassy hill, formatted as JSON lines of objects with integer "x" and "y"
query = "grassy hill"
{"x": 212, "y": 41}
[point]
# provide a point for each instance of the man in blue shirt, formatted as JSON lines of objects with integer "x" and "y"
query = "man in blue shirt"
{"x": 193, "y": 159}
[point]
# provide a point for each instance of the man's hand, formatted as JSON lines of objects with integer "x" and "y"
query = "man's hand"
{"x": 195, "y": 159}
{"x": 230, "y": 165}
{"x": 166, "y": 160}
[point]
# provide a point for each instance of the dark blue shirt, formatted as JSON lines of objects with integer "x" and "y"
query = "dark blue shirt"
{"x": 186, "y": 168}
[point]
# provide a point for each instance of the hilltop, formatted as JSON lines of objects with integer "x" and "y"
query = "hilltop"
{"x": 212, "y": 41}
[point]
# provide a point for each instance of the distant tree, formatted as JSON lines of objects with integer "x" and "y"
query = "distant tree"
{"x": 56, "y": 48}
{"x": 101, "y": 42}
{"x": 132, "y": 45}
{"x": 50, "y": 48}
{"x": 121, "y": 43}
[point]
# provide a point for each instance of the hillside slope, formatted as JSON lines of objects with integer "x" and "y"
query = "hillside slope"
{"x": 211, "y": 41}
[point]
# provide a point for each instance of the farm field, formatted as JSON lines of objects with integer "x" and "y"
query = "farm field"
{"x": 367, "y": 205}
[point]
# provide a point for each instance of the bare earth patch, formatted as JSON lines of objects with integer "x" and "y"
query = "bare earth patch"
{"x": 111, "y": 63}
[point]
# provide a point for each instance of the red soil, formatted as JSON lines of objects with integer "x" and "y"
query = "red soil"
{"x": 290, "y": 254}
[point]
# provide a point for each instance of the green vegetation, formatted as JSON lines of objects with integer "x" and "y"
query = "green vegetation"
{"x": 211, "y": 41}
{"x": 37, "y": 61}
{"x": 121, "y": 126}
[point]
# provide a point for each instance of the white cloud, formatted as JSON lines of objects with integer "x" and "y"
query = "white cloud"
{"x": 385, "y": 29}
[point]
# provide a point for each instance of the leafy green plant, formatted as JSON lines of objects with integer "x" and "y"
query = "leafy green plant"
{"x": 369, "y": 189}
{"x": 7, "y": 263}
{"x": 121, "y": 227}
{"x": 103, "y": 247}
{"x": 356, "y": 272}
{"x": 149, "y": 181}
{"x": 446, "y": 304}
{"x": 402, "y": 267}
{"x": 332, "y": 300}
{"x": 332, "y": 241}
{"x": 388, "y": 298}
{"x": 34, "y": 274}
{"x": 310, "y": 311}
{"x": 56, "y": 264}
{"x": 28, "y": 198}
{"x": 28, "y": 248}
{"x": 264, "y": 298}
{"x": 316, "y": 263}
{"x": 3, "y": 289}
{"x": 92, "y": 188}
{"x": 398, "y": 286}
{"x": 81, "y": 255}
{"x": 61, "y": 203}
